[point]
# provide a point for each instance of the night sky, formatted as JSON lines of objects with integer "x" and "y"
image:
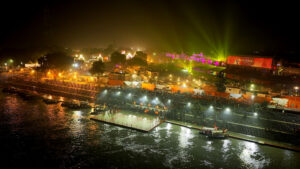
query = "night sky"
{"x": 231, "y": 26}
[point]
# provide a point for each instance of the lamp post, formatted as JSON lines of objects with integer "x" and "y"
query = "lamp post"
{"x": 252, "y": 98}
{"x": 296, "y": 88}
{"x": 217, "y": 112}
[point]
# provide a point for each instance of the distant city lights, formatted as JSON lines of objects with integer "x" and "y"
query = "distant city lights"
{"x": 75, "y": 65}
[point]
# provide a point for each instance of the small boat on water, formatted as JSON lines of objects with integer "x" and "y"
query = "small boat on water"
{"x": 98, "y": 109}
{"x": 9, "y": 90}
{"x": 71, "y": 104}
{"x": 75, "y": 104}
{"x": 84, "y": 105}
{"x": 50, "y": 100}
{"x": 213, "y": 132}
{"x": 27, "y": 96}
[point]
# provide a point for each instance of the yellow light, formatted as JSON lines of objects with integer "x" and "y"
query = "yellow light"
{"x": 32, "y": 71}
{"x": 49, "y": 73}
{"x": 22, "y": 69}
{"x": 81, "y": 57}
{"x": 60, "y": 74}
{"x": 10, "y": 71}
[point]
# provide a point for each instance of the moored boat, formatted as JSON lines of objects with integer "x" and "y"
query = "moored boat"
{"x": 213, "y": 132}
{"x": 98, "y": 109}
{"x": 72, "y": 104}
{"x": 50, "y": 100}
{"x": 84, "y": 105}
{"x": 9, "y": 90}
{"x": 75, "y": 104}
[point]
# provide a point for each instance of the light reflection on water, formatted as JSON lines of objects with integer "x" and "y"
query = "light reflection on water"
{"x": 251, "y": 155}
{"x": 168, "y": 127}
{"x": 74, "y": 141}
{"x": 184, "y": 137}
{"x": 226, "y": 145}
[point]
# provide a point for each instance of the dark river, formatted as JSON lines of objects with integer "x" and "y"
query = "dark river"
{"x": 36, "y": 135}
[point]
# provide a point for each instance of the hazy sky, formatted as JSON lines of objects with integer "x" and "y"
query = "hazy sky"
{"x": 171, "y": 25}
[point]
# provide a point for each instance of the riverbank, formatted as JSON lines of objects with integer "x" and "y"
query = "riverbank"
{"x": 49, "y": 90}
{"x": 244, "y": 137}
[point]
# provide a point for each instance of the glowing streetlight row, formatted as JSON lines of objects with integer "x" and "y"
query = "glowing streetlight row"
{"x": 143, "y": 99}
{"x": 156, "y": 100}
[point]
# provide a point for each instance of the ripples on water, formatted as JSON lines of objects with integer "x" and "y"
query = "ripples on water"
{"x": 37, "y": 135}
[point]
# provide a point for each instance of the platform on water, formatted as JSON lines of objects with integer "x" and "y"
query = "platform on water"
{"x": 128, "y": 119}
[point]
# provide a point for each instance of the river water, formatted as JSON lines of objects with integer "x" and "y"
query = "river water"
{"x": 36, "y": 135}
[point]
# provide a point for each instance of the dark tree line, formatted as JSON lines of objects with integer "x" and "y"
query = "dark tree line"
{"x": 56, "y": 60}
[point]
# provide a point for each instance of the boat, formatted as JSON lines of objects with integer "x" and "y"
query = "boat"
{"x": 98, "y": 109}
{"x": 50, "y": 100}
{"x": 27, "y": 96}
{"x": 71, "y": 105}
{"x": 75, "y": 104}
{"x": 9, "y": 90}
{"x": 84, "y": 105}
{"x": 218, "y": 134}
{"x": 213, "y": 132}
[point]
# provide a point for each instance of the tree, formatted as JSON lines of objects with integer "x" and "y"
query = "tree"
{"x": 110, "y": 49}
{"x": 137, "y": 62}
{"x": 117, "y": 58}
{"x": 141, "y": 55}
{"x": 220, "y": 84}
{"x": 56, "y": 60}
{"x": 97, "y": 67}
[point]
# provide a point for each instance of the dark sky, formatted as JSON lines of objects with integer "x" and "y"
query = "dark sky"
{"x": 234, "y": 26}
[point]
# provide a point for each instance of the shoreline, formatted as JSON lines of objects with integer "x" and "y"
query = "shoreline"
{"x": 254, "y": 139}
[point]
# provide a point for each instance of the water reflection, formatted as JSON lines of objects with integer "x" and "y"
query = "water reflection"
{"x": 185, "y": 136}
{"x": 32, "y": 128}
{"x": 208, "y": 147}
{"x": 251, "y": 156}
{"x": 226, "y": 145}
{"x": 168, "y": 127}
{"x": 76, "y": 125}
